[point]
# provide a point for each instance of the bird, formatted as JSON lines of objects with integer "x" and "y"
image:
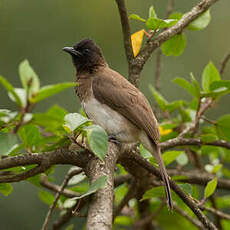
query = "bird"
{"x": 115, "y": 104}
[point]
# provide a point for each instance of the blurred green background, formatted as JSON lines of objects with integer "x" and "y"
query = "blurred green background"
{"x": 37, "y": 31}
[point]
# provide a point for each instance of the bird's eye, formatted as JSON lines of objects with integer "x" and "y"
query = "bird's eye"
{"x": 86, "y": 51}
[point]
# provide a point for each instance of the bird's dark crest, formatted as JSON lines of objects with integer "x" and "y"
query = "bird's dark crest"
{"x": 89, "y": 57}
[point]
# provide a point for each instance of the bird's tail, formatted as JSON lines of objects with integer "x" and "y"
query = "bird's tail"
{"x": 164, "y": 175}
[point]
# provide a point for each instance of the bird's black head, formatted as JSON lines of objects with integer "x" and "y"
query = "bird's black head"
{"x": 86, "y": 55}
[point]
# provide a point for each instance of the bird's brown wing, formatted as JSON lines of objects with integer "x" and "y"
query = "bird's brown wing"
{"x": 110, "y": 88}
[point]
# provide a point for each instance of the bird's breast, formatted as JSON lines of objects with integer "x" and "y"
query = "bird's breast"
{"x": 112, "y": 121}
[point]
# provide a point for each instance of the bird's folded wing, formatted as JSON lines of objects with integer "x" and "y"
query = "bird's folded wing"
{"x": 110, "y": 88}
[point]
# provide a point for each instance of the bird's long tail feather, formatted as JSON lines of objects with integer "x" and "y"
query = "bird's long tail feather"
{"x": 164, "y": 176}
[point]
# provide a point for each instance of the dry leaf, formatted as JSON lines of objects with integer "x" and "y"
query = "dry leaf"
{"x": 164, "y": 131}
{"x": 136, "y": 40}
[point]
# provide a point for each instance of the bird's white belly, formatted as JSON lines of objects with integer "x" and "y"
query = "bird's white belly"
{"x": 114, "y": 123}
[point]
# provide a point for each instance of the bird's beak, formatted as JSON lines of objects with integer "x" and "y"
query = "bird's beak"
{"x": 72, "y": 51}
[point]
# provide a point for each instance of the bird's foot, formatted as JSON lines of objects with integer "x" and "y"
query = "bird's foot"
{"x": 112, "y": 138}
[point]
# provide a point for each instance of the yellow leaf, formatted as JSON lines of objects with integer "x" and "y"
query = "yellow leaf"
{"x": 164, "y": 131}
{"x": 136, "y": 40}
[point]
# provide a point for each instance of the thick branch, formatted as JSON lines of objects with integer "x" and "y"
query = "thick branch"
{"x": 43, "y": 162}
{"x": 100, "y": 213}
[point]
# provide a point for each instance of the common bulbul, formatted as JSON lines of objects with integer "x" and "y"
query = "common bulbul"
{"x": 114, "y": 103}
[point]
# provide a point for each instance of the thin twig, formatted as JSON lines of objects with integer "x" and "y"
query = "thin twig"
{"x": 178, "y": 141}
{"x": 199, "y": 178}
{"x": 170, "y": 7}
{"x": 56, "y": 188}
{"x": 216, "y": 212}
{"x": 217, "y": 218}
{"x": 128, "y": 196}
{"x": 69, "y": 175}
{"x": 148, "y": 219}
{"x": 195, "y": 222}
{"x": 157, "y": 71}
{"x": 125, "y": 29}
{"x": 224, "y": 63}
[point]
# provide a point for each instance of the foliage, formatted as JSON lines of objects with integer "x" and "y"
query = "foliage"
{"x": 26, "y": 131}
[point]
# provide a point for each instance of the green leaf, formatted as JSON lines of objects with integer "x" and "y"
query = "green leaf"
{"x": 182, "y": 159}
{"x": 6, "y": 189}
{"x": 210, "y": 75}
{"x": 144, "y": 152}
{"x": 29, "y": 78}
{"x": 217, "y": 168}
{"x": 70, "y": 227}
{"x": 186, "y": 85}
{"x": 174, "y": 46}
{"x": 170, "y": 156}
{"x": 161, "y": 101}
{"x": 196, "y": 85}
{"x": 30, "y": 135}
{"x": 21, "y": 93}
{"x": 95, "y": 186}
{"x": 152, "y": 12}
{"x": 155, "y": 192}
{"x": 69, "y": 203}
{"x": 208, "y": 138}
{"x": 157, "y": 23}
{"x": 10, "y": 89}
{"x": 98, "y": 140}
{"x": 52, "y": 120}
{"x": 7, "y": 142}
{"x": 123, "y": 220}
{"x": 186, "y": 187}
{"x": 220, "y": 84}
{"x": 120, "y": 192}
{"x": 46, "y": 197}
{"x": 223, "y": 127}
{"x": 176, "y": 15}
{"x": 74, "y": 121}
{"x": 136, "y": 17}
{"x": 50, "y": 90}
{"x": 77, "y": 179}
{"x": 153, "y": 23}
{"x": 201, "y": 22}
{"x": 210, "y": 188}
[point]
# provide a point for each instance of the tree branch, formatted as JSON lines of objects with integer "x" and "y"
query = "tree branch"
{"x": 56, "y": 188}
{"x": 224, "y": 63}
{"x": 128, "y": 196}
{"x": 216, "y": 212}
{"x": 100, "y": 212}
{"x": 69, "y": 175}
{"x": 187, "y": 200}
{"x": 200, "y": 178}
{"x": 151, "y": 45}
{"x": 43, "y": 161}
{"x": 195, "y": 222}
{"x": 126, "y": 33}
{"x": 178, "y": 141}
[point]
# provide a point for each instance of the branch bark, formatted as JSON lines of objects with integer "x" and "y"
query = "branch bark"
{"x": 100, "y": 212}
